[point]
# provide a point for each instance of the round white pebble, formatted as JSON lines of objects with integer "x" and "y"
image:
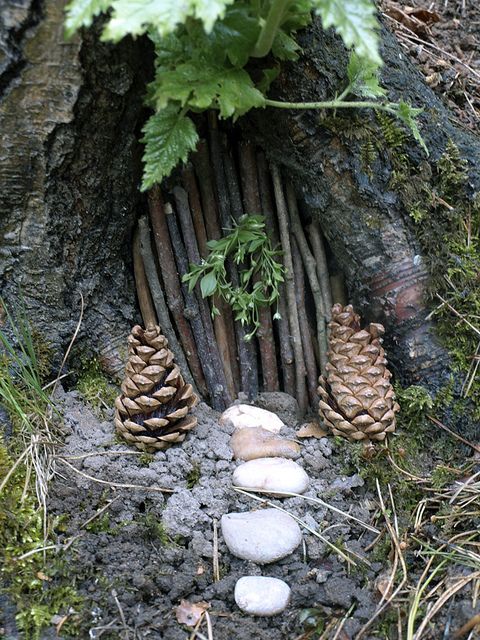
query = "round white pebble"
{"x": 261, "y": 536}
{"x": 244, "y": 416}
{"x": 261, "y": 596}
{"x": 271, "y": 474}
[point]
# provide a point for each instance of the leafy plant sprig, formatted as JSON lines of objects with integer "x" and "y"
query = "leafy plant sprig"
{"x": 260, "y": 274}
{"x": 203, "y": 46}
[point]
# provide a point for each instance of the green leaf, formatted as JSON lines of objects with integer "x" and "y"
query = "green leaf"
{"x": 363, "y": 77}
{"x": 268, "y": 76}
{"x": 135, "y": 17}
{"x": 284, "y": 47}
{"x": 236, "y": 34}
{"x": 201, "y": 85}
{"x": 208, "y": 284}
{"x": 407, "y": 115}
{"x": 355, "y": 22}
{"x": 169, "y": 136}
{"x": 80, "y": 13}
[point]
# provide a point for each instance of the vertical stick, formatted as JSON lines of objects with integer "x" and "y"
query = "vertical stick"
{"x": 318, "y": 246}
{"x": 201, "y": 161}
{"x": 307, "y": 344}
{"x": 192, "y": 311}
{"x": 159, "y": 299}
{"x": 252, "y": 204}
{"x": 310, "y": 268}
{"x": 144, "y": 296}
{"x": 188, "y": 232}
{"x": 171, "y": 283}
{"x": 246, "y": 350}
{"x": 286, "y": 353}
{"x": 219, "y": 325}
{"x": 290, "y": 286}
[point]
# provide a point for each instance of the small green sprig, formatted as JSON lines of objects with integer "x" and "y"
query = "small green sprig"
{"x": 260, "y": 274}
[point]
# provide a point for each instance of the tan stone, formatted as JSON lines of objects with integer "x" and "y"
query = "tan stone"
{"x": 249, "y": 444}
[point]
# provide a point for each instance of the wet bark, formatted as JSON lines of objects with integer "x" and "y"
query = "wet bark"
{"x": 364, "y": 221}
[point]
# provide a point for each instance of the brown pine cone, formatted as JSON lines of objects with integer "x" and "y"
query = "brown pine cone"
{"x": 357, "y": 399}
{"x": 152, "y": 412}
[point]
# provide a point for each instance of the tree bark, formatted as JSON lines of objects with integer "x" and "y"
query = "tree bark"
{"x": 365, "y": 223}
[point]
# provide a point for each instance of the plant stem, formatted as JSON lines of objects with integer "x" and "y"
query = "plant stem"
{"x": 332, "y": 104}
{"x": 270, "y": 28}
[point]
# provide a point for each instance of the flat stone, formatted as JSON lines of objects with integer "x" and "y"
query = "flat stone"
{"x": 249, "y": 444}
{"x": 271, "y": 474}
{"x": 244, "y": 416}
{"x": 261, "y": 596}
{"x": 262, "y": 536}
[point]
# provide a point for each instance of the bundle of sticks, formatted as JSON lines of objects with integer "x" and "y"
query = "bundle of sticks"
{"x": 223, "y": 181}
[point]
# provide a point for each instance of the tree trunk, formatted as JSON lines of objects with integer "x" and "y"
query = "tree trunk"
{"x": 70, "y": 117}
{"x": 69, "y": 173}
{"x": 369, "y": 231}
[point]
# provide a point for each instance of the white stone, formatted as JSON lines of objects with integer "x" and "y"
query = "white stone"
{"x": 244, "y": 416}
{"x": 271, "y": 474}
{"x": 261, "y": 596}
{"x": 261, "y": 536}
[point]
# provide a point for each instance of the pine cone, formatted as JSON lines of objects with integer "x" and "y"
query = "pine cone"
{"x": 357, "y": 399}
{"x": 152, "y": 411}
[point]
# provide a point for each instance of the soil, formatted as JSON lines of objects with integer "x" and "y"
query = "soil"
{"x": 148, "y": 550}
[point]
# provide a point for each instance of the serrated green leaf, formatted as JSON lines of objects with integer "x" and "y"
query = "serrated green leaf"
{"x": 208, "y": 284}
{"x": 284, "y": 47}
{"x": 355, "y": 22}
{"x": 201, "y": 85}
{"x": 363, "y": 77}
{"x": 135, "y": 17}
{"x": 80, "y": 13}
{"x": 236, "y": 34}
{"x": 407, "y": 115}
{"x": 169, "y": 136}
{"x": 268, "y": 76}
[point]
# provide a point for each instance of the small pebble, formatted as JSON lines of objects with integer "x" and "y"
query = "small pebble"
{"x": 271, "y": 474}
{"x": 261, "y": 596}
{"x": 243, "y": 416}
{"x": 249, "y": 444}
{"x": 261, "y": 536}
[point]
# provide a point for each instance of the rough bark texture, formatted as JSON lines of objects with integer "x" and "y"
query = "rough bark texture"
{"x": 69, "y": 172}
{"x": 365, "y": 223}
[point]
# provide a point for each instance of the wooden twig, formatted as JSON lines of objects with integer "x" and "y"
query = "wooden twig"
{"x": 318, "y": 248}
{"x": 201, "y": 161}
{"x": 192, "y": 311}
{"x": 233, "y": 182}
{"x": 188, "y": 232}
{"x": 310, "y": 268}
{"x": 268, "y": 210}
{"x": 171, "y": 283}
{"x": 282, "y": 213}
{"x": 246, "y": 350}
{"x": 308, "y": 353}
{"x": 159, "y": 299}
{"x": 219, "y": 325}
{"x": 252, "y": 204}
{"x": 145, "y": 301}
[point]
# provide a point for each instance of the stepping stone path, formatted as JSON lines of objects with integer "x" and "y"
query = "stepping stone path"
{"x": 262, "y": 536}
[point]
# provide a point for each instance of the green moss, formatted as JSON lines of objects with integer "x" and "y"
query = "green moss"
{"x": 40, "y": 587}
{"x": 194, "y": 476}
{"x": 154, "y": 529}
{"x": 94, "y": 385}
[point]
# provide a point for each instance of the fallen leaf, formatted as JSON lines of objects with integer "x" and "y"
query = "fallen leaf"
{"x": 189, "y": 613}
{"x": 43, "y": 576}
{"x": 384, "y": 585}
{"x": 200, "y": 570}
{"x": 311, "y": 430}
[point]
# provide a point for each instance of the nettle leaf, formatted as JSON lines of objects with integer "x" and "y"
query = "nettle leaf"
{"x": 199, "y": 84}
{"x": 355, "y": 22}
{"x": 169, "y": 136}
{"x": 236, "y": 34}
{"x": 134, "y": 17}
{"x": 407, "y": 115}
{"x": 284, "y": 47}
{"x": 80, "y": 13}
{"x": 363, "y": 77}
